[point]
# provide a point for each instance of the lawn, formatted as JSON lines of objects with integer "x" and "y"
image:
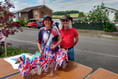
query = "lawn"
{"x": 59, "y": 16}
{"x": 72, "y": 15}
{"x": 11, "y": 51}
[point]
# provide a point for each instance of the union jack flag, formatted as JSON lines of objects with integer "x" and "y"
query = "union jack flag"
{"x": 24, "y": 67}
{"x": 33, "y": 63}
{"x": 51, "y": 59}
{"x": 61, "y": 56}
{"x": 43, "y": 62}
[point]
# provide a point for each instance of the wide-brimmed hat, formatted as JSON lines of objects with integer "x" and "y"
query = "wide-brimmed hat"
{"x": 47, "y": 16}
{"x": 66, "y": 17}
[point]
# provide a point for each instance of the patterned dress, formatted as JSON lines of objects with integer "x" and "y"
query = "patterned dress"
{"x": 47, "y": 38}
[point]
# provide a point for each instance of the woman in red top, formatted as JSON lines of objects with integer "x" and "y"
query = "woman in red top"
{"x": 69, "y": 35}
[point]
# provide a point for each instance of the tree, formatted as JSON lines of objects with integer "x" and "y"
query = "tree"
{"x": 81, "y": 14}
{"x": 8, "y": 27}
{"x": 116, "y": 16}
{"x": 99, "y": 13}
{"x": 65, "y": 12}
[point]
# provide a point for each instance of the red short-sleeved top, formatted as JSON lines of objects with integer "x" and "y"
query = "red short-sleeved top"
{"x": 68, "y": 37}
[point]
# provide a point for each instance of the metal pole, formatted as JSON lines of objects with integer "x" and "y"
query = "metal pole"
{"x": 43, "y": 2}
{"x": 5, "y": 45}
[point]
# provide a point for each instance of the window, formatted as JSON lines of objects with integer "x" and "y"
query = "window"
{"x": 19, "y": 14}
{"x": 35, "y": 13}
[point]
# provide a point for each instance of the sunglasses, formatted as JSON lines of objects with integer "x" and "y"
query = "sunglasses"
{"x": 63, "y": 20}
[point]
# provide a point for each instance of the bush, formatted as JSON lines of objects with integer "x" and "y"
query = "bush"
{"x": 109, "y": 27}
{"x": 23, "y": 22}
{"x": 11, "y": 51}
{"x": 10, "y": 20}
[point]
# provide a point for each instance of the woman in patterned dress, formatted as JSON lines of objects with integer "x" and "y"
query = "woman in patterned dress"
{"x": 48, "y": 41}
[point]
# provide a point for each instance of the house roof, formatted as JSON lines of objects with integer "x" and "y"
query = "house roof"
{"x": 111, "y": 9}
{"x": 30, "y": 8}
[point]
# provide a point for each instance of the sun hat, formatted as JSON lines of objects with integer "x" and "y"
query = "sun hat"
{"x": 66, "y": 17}
{"x": 47, "y": 16}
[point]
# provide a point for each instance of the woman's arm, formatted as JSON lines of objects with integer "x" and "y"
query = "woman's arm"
{"x": 40, "y": 47}
{"x": 58, "y": 42}
{"x": 76, "y": 40}
{"x": 76, "y": 36}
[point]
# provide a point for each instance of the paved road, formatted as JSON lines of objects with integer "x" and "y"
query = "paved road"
{"x": 91, "y": 51}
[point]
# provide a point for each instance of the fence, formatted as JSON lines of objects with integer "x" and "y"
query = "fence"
{"x": 89, "y": 26}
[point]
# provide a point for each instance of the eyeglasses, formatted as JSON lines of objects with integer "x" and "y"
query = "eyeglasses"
{"x": 65, "y": 20}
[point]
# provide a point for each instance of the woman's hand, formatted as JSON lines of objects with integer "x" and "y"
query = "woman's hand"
{"x": 41, "y": 52}
{"x": 40, "y": 48}
{"x": 53, "y": 46}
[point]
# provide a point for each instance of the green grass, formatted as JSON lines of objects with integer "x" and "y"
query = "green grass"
{"x": 56, "y": 16}
{"x": 11, "y": 51}
{"x": 72, "y": 15}
{"x": 59, "y": 16}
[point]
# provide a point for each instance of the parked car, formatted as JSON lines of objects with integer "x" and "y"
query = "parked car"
{"x": 35, "y": 25}
{"x": 32, "y": 25}
{"x": 39, "y": 25}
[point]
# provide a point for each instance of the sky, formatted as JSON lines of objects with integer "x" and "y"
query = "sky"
{"x": 63, "y": 5}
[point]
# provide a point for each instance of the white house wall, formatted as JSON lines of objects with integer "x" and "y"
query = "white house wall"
{"x": 111, "y": 16}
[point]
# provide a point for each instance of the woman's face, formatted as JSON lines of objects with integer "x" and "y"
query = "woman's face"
{"x": 47, "y": 22}
{"x": 65, "y": 22}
